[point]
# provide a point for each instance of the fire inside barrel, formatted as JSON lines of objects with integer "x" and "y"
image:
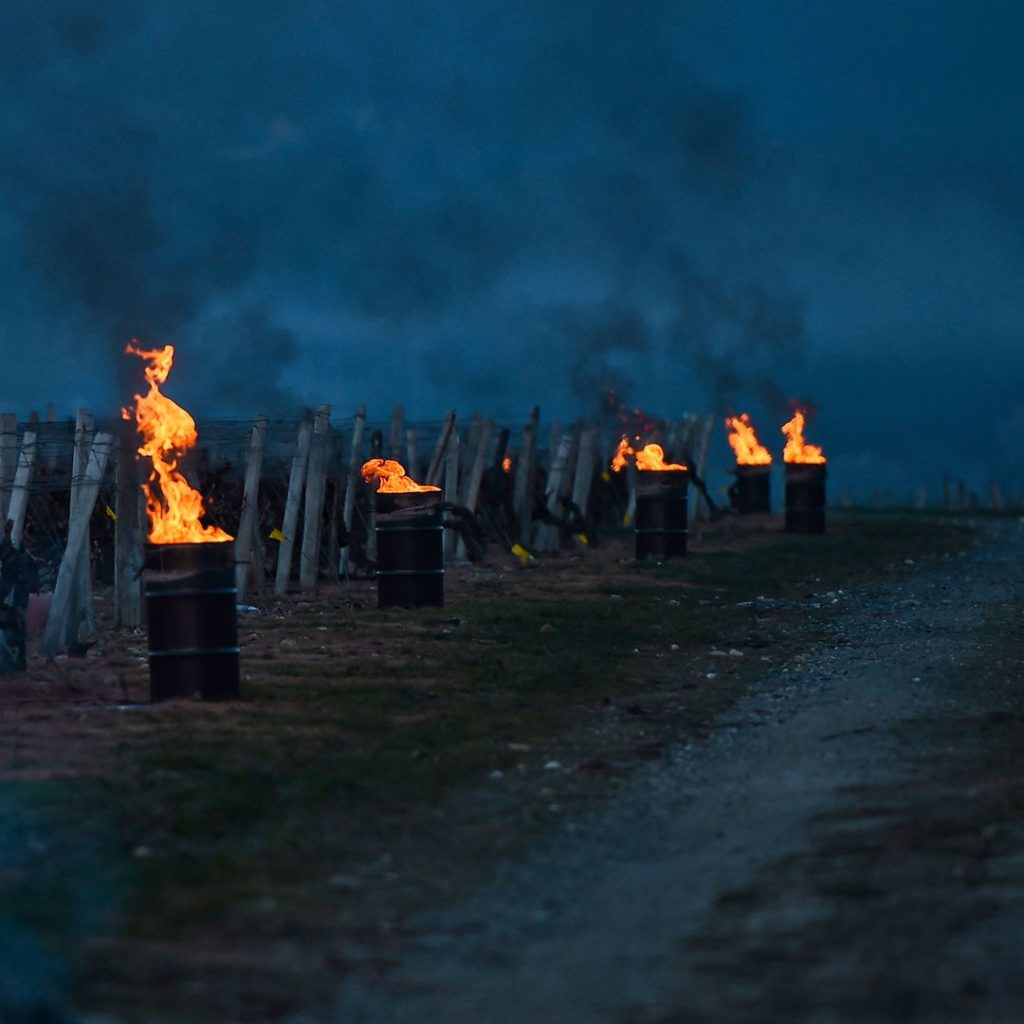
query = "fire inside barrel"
{"x": 752, "y": 491}
{"x": 410, "y": 537}
{"x": 189, "y": 565}
{"x": 805, "y": 479}
{"x": 661, "y": 500}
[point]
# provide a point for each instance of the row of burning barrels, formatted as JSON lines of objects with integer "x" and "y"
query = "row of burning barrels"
{"x": 190, "y": 567}
{"x": 191, "y": 595}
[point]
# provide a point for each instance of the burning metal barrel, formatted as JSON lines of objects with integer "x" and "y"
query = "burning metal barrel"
{"x": 410, "y": 548}
{"x": 661, "y": 513}
{"x": 805, "y": 479}
{"x": 753, "y": 489}
{"x": 805, "y": 497}
{"x": 193, "y": 620}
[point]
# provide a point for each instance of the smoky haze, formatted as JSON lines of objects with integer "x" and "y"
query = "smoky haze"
{"x": 500, "y": 204}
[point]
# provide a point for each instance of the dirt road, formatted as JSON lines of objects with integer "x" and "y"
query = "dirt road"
{"x": 847, "y": 846}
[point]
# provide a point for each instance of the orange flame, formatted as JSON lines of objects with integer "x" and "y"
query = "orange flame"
{"x": 797, "y": 450}
{"x": 168, "y": 431}
{"x": 506, "y": 464}
{"x": 392, "y": 477}
{"x": 650, "y": 457}
{"x": 749, "y": 451}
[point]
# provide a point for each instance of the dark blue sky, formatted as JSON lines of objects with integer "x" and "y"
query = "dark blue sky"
{"x": 486, "y": 205}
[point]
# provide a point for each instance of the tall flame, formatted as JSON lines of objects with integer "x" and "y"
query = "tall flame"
{"x": 749, "y": 451}
{"x": 391, "y": 476}
{"x": 650, "y": 457}
{"x": 168, "y": 431}
{"x": 797, "y": 450}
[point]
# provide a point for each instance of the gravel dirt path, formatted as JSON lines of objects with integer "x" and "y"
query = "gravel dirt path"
{"x": 847, "y": 846}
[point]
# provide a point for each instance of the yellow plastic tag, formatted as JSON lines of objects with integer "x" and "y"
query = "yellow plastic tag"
{"x": 521, "y": 553}
{"x": 605, "y": 475}
{"x": 110, "y": 512}
{"x": 583, "y": 538}
{"x": 276, "y": 534}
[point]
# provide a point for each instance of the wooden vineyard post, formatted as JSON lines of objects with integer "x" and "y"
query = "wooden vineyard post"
{"x": 312, "y": 513}
{"x": 471, "y": 485}
{"x": 585, "y": 465}
{"x": 128, "y": 532}
{"x": 80, "y": 607}
{"x": 336, "y": 480}
{"x": 246, "y": 541}
{"x": 522, "y": 495}
{"x": 8, "y": 460}
{"x": 547, "y": 533}
{"x": 412, "y": 454}
{"x": 437, "y": 464}
{"x": 451, "y": 490}
{"x": 61, "y": 627}
{"x": 705, "y": 425}
{"x": 22, "y": 481}
{"x": 52, "y": 445}
{"x": 355, "y": 462}
{"x": 397, "y": 434}
{"x": 296, "y": 483}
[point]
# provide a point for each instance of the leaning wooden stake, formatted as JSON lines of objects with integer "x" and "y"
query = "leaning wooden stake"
{"x": 451, "y": 491}
{"x": 128, "y": 532}
{"x": 355, "y": 462}
{"x": 313, "y": 511}
{"x": 8, "y": 459}
{"x": 296, "y": 483}
{"x": 547, "y": 533}
{"x": 247, "y": 540}
{"x": 471, "y": 485}
{"x": 61, "y": 630}
{"x": 585, "y": 464}
{"x": 397, "y": 434}
{"x": 437, "y": 463}
{"x": 522, "y": 494}
{"x": 81, "y": 609}
{"x": 22, "y": 480}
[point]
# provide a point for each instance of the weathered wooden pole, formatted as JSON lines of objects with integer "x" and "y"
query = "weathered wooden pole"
{"x": 437, "y": 462}
{"x": 296, "y": 483}
{"x": 61, "y": 628}
{"x": 451, "y": 487}
{"x": 522, "y": 494}
{"x": 128, "y": 532}
{"x": 472, "y": 480}
{"x": 80, "y": 608}
{"x": 355, "y": 463}
{"x": 585, "y": 464}
{"x": 22, "y": 481}
{"x": 246, "y": 540}
{"x": 548, "y": 533}
{"x": 8, "y": 460}
{"x": 313, "y": 510}
{"x": 397, "y": 434}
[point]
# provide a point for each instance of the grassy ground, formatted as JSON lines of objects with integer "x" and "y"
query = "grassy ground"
{"x": 188, "y": 862}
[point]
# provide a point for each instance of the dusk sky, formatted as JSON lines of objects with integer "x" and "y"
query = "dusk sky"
{"x": 485, "y": 205}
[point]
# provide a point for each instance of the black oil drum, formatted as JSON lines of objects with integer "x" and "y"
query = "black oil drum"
{"x": 805, "y": 497}
{"x": 410, "y": 549}
{"x": 193, "y": 620}
{"x": 661, "y": 513}
{"x": 753, "y": 489}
